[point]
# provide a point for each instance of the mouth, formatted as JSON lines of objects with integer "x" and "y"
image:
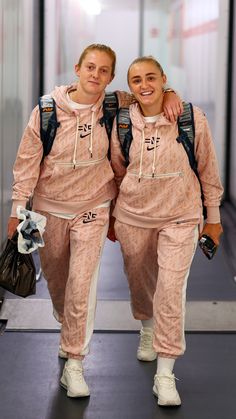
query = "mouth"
{"x": 148, "y": 93}
{"x": 94, "y": 82}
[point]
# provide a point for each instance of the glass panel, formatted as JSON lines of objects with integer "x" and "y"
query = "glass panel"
{"x": 16, "y": 90}
{"x": 77, "y": 25}
{"x": 186, "y": 36}
{"x": 189, "y": 38}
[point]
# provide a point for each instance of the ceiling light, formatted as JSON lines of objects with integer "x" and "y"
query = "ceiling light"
{"x": 91, "y": 7}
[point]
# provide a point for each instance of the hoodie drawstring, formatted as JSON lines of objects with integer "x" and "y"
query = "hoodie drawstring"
{"x": 76, "y": 142}
{"x": 141, "y": 156}
{"x": 91, "y": 137}
{"x": 154, "y": 155}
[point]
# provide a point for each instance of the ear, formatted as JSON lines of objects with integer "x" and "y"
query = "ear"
{"x": 112, "y": 77}
{"x": 77, "y": 70}
{"x": 164, "y": 78}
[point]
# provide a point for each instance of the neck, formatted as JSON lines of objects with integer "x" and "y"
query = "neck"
{"x": 82, "y": 97}
{"x": 152, "y": 110}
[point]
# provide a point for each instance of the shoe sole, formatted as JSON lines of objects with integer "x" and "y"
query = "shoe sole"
{"x": 62, "y": 356}
{"x": 161, "y": 402}
{"x": 70, "y": 394}
{"x": 147, "y": 359}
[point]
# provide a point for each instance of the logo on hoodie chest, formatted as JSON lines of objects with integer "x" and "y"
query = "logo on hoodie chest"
{"x": 84, "y": 130}
{"x": 152, "y": 143}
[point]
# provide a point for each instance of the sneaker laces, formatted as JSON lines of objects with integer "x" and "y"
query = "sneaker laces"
{"x": 167, "y": 380}
{"x": 145, "y": 340}
{"x": 76, "y": 371}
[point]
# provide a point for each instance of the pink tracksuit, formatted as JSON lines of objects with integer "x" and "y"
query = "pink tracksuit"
{"x": 73, "y": 187}
{"x": 158, "y": 211}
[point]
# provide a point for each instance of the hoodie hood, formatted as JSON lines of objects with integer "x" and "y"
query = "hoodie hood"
{"x": 60, "y": 97}
{"x": 139, "y": 122}
{"x": 59, "y": 94}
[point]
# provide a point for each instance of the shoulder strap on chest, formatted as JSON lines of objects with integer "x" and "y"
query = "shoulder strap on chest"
{"x": 48, "y": 122}
{"x": 186, "y": 136}
{"x": 186, "y": 131}
{"x": 110, "y": 107}
{"x": 124, "y": 130}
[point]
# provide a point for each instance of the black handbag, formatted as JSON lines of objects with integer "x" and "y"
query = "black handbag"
{"x": 17, "y": 270}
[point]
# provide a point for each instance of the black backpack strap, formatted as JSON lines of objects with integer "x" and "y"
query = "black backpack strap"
{"x": 110, "y": 107}
{"x": 124, "y": 130}
{"x": 187, "y": 133}
{"x": 48, "y": 122}
{"x": 186, "y": 137}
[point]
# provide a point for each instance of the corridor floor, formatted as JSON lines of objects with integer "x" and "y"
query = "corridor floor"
{"x": 121, "y": 386}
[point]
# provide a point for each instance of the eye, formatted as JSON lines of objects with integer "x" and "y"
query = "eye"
{"x": 151, "y": 78}
{"x": 104, "y": 71}
{"x": 136, "y": 81}
{"x": 90, "y": 67}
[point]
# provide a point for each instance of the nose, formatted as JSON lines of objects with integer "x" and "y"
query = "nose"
{"x": 95, "y": 73}
{"x": 143, "y": 83}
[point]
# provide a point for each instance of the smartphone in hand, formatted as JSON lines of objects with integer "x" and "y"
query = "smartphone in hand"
{"x": 208, "y": 246}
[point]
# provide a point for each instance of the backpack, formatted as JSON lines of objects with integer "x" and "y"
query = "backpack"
{"x": 186, "y": 136}
{"x": 49, "y": 123}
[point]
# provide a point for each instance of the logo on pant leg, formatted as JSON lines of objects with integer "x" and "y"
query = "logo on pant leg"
{"x": 89, "y": 217}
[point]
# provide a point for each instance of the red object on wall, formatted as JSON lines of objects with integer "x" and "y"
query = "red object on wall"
{"x": 154, "y": 32}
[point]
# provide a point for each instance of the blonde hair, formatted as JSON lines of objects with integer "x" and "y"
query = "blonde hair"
{"x": 101, "y": 48}
{"x": 147, "y": 58}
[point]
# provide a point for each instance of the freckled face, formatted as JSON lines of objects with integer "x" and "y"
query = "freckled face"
{"x": 95, "y": 73}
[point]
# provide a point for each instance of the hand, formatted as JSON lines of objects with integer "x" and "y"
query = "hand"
{"x": 125, "y": 99}
{"x": 172, "y": 106}
{"x": 12, "y": 226}
{"x": 111, "y": 231}
{"x": 214, "y": 231}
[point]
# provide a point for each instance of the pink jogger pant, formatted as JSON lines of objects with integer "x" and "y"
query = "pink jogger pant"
{"x": 157, "y": 263}
{"x": 70, "y": 262}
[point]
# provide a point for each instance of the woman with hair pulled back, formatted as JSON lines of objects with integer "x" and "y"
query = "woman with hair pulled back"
{"x": 73, "y": 187}
{"x": 158, "y": 214}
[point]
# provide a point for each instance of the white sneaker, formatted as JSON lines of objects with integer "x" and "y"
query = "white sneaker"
{"x": 73, "y": 380}
{"x": 145, "y": 350}
{"x": 62, "y": 354}
{"x": 164, "y": 388}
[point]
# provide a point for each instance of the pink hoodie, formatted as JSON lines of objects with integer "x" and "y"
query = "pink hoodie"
{"x": 159, "y": 185}
{"x": 76, "y": 175}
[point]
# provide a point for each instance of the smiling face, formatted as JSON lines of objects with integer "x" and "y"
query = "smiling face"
{"x": 146, "y": 81}
{"x": 95, "y": 73}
